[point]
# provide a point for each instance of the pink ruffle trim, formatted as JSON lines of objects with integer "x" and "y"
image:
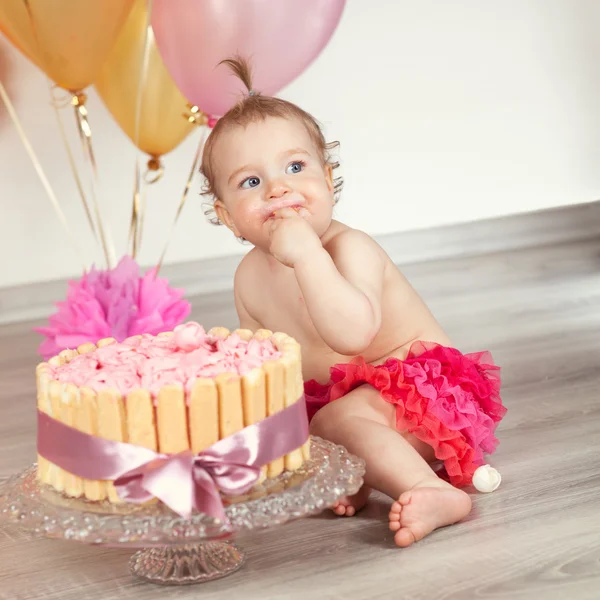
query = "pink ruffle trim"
{"x": 446, "y": 399}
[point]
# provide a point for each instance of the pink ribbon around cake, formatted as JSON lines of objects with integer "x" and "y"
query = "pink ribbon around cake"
{"x": 184, "y": 481}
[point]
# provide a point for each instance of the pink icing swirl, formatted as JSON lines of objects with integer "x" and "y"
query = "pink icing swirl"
{"x": 151, "y": 362}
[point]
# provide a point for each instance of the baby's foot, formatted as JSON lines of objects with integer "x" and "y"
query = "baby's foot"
{"x": 350, "y": 505}
{"x": 431, "y": 504}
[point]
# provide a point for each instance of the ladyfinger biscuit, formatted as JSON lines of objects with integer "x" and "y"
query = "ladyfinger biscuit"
{"x": 275, "y": 375}
{"x": 262, "y": 334}
{"x": 291, "y": 361}
{"x": 244, "y": 334}
{"x": 68, "y": 408}
{"x": 111, "y": 426}
{"x": 86, "y": 420}
{"x": 141, "y": 425}
{"x": 290, "y": 347}
{"x": 67, "y": 356}
{"x": 45, "y": 468}
{"x": 85, "y": 348}
{"x": 57, "y": 475}
{"x": 203, "y": 414}
{"x": 294, "y": 459}
{"x": 231, "y": 413}
{"x": 43, "y": 369}
{"x": 254, "y": 400}
{"x": 171, "y": 418}
{"x": 219, "y": 332}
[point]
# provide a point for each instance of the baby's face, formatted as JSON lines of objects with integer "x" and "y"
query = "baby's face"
{"x": 266, "y": 166}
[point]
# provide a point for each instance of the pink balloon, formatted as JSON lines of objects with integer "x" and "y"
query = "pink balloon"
{"x": 280, "y": 37}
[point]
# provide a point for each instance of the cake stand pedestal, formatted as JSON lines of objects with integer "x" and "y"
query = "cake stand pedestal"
{"x": 175, "y": 550}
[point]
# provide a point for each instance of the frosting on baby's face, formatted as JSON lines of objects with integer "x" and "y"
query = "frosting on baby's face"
{"x": 151, "y": 362}
{"x": 266, "y": 166}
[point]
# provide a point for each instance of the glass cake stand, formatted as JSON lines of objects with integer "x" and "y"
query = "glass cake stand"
{"x": 176, "y": 550}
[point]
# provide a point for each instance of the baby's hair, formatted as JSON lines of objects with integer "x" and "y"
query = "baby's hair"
{"x": 253, "y": 108}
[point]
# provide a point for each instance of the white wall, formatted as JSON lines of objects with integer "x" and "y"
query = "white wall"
{"x": 447, "y": 111}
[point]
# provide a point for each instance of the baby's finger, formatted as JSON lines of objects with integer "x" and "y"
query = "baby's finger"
{"x": 285, "y": 213}
{"x": 274, "y": 224}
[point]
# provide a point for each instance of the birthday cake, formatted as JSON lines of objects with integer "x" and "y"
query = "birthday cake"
{"x": 179, "y": 391}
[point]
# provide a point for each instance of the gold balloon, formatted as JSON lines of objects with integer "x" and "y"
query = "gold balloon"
{"x": 67, "y": 39}
{"x": 162, "y": 124}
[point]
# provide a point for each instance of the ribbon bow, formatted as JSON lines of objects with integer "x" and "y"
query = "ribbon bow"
{"x": 185, "y": 481}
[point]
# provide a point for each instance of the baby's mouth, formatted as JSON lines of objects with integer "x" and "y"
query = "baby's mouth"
{"x": 293, "y": 200}
{"x": 295, "y": 207}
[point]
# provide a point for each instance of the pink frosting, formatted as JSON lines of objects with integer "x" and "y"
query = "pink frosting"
{"x": 150, "y": 362}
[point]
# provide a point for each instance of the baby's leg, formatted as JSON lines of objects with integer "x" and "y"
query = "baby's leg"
{"x": 364, "y": 423}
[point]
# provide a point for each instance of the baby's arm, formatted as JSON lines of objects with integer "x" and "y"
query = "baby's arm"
{"x": 342, "y": 289}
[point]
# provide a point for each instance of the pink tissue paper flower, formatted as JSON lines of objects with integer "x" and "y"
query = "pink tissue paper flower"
{"x": 115, "y": 303}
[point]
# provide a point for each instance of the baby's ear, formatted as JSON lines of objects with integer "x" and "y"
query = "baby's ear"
{"x": 224, "y": 217}
{"x": 329, "y": 177}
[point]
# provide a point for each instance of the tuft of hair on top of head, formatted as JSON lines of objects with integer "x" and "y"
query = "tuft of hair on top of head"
{"x": 253, "y": 108}
{"x": 241, "y": 69}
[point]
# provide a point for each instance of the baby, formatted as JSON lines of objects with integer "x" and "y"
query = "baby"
{"x": 382, "y": 377}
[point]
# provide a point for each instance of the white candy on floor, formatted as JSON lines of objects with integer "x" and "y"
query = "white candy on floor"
{"x": 486, "y": 479}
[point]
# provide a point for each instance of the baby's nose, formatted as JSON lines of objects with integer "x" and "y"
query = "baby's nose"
{"x": 278, "y": 189}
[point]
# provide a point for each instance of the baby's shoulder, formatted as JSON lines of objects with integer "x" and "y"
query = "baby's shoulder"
{"x": 349, "y": 234}
{"x": 353, "y": 241}
{"x": 247, "y": 268}
{"x": 253, "y": 267}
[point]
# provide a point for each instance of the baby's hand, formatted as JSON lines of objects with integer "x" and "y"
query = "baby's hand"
{"x": 292, "y": 237}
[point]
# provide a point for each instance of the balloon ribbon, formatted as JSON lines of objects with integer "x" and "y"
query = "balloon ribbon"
{"x": 40, "y": 171}
{"x": 186, "y": 189}
{"x": 138, "y": 208}
{"x": 85, "y": 133}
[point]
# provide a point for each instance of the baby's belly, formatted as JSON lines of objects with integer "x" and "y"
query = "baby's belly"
{"x": 317, "y": 365}
{"x": 317, "y": 362}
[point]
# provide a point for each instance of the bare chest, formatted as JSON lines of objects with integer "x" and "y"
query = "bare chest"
{"x": 275, "y": 300}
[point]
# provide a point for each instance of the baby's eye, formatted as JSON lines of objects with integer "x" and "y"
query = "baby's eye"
{"x": 295, "y": 167}
{"x": 250, "y": 182}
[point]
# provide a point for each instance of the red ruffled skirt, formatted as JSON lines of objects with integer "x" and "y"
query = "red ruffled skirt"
{"x": 446, "y": 399}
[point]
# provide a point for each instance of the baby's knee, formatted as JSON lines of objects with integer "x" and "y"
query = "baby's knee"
{"x": 326, "y": 420}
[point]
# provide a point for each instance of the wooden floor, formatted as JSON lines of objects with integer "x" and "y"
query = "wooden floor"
{"x": 536, "y": 537}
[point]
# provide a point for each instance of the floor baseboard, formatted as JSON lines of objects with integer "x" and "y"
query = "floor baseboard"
{"x": 565, "y": 224}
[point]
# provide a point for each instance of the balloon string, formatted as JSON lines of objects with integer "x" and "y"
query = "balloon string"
{"x": 40, "y": 171}
{"x": 186, "y": 189}
{"x": 139, "y": 201}
{"x": 135, "y": 212}
{"x": 142, "y": 213}
{"x": 154, "y": 172}
{"x": 56, "y": 104}
{"x": 85, "y": 135}
{"x": 78, "y": 101}
{"x": 138, "y": 209}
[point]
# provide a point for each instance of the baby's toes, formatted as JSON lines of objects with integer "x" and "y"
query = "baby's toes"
{"x": 339, "y": 509}
{"x": 404, "y": 538}
{"x": 394, "y": 516}
{"x": 404, "y": 499}
{"x": 395, "y": 510}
